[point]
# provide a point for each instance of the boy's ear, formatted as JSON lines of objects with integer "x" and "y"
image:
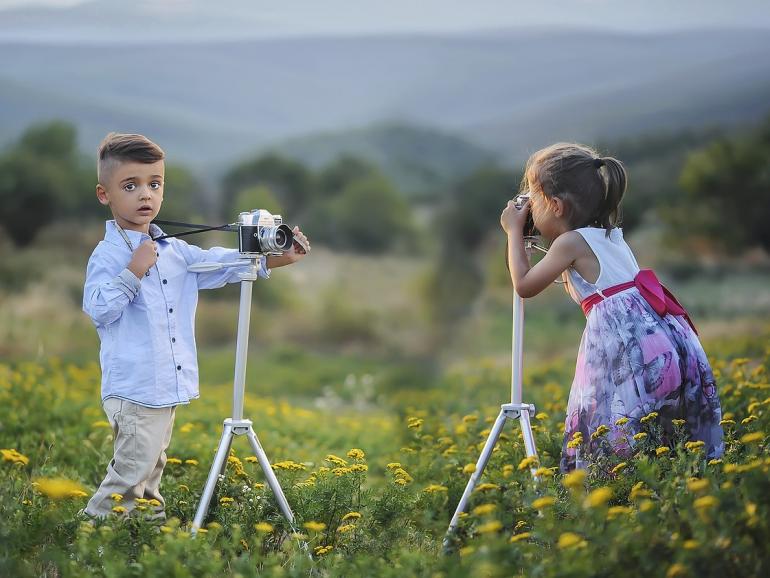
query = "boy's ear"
{"x": 101, "y": 195}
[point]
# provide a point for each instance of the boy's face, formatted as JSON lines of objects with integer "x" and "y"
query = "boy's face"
{"x": 134, "y": 193}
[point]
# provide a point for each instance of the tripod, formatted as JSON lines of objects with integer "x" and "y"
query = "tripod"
{"x": 237, "y": 425}
{"x": 514, "y": 410}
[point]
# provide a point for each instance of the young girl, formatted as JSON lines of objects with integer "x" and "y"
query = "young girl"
{"x": 639, "y": 352}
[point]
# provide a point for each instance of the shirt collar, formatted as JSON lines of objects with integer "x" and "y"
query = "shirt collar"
{"x": 113, "y": 235}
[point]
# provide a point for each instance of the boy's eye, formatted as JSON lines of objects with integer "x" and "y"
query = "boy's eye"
{"x": 129, "y": 187}
{"x": 155, "y": 185}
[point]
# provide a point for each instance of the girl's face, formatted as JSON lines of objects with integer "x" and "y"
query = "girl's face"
{"x": 544, "y": 214}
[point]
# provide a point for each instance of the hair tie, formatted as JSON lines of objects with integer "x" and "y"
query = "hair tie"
{"x": 598, "y": 163}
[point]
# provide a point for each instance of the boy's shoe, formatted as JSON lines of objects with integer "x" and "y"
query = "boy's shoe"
{"x": 83, "y": 516}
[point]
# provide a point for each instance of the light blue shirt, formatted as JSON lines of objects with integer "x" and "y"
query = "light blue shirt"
{"x": 147, "y": 326}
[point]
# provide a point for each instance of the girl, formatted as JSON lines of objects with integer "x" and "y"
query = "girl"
{"x": 639, "y": 352}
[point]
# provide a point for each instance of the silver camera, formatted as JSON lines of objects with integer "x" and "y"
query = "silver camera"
{"x": 529, "y": 226}
{"x": 262, "y": 233}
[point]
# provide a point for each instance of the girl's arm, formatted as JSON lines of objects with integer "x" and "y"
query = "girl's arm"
{"x": 529, "y": 281}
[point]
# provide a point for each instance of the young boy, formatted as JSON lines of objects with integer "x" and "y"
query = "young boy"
{"x": 142, "y": 299}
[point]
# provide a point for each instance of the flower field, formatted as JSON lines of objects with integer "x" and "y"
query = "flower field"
{"x": 373, "y": 488}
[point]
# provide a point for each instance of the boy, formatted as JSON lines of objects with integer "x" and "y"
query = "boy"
{"x": 142, "y": 300}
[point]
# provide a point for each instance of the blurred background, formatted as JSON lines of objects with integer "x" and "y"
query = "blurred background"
{"x": 393, "y": 134}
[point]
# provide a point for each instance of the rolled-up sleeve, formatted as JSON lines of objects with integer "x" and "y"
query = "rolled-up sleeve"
{"x": 216, "y": 279}
{"x": 108, "y": 289}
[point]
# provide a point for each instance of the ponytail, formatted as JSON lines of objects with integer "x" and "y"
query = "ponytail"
{"x": 615, "y": 182}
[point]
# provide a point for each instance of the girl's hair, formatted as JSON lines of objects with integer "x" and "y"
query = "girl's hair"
{"x": 590, "y": 186}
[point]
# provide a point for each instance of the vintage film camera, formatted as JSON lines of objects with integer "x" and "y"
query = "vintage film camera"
{"x": 262, "y": 233}
{"x": 529, "y": 226}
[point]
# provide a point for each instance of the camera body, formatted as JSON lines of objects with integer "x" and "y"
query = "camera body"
{"x": 529, "y": 227}
{"x": 262, "y": 233}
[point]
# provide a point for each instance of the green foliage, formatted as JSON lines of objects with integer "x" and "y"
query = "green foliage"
{"x": 183, "y": 196}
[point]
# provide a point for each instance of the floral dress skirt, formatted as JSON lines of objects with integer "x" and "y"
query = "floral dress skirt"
{"x": 632, "y": 362}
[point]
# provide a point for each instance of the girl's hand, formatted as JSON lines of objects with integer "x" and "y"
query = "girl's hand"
{"x": 512, "y": 218}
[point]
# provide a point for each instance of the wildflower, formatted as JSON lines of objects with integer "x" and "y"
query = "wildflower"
{"x": 640, "y": 436}
{"x": 116, "y": 497}
{"x": 191, "y": 462}
{"x": 101, "y": 423}
{"x": 730, "y": 468}
{"x": 705, "y": 503}
{"x": 676, "y": 571}
{"x": 202, "y": 531}
{"x": 484, "y": 509}
{"x": 414, "y": 423}
{"x": 263, "y": 527}
{"x": 619, "y": 468}
{"x": 621, "y": 421}
{"x": 520, "y": 537}
{"x": 295, "y": 466}
{"x": 166, "y": 529}
{"x": 574, "y": 479}
{"x": 715, "y": 462}
{"x": 351, "y": 516}
{"x": 401, "y": 473}
{"x": 119, "y": 509}
{"x": 59, "y": 488}
{"x": 183, "y": 488}
{"x": 697, "y": 485}
{"x": 638, "y": 491}
{"x": 527, "y": 462}
{"x": 748, "y": 420}
{"x": 186, "y": 428}
{"x": 359, "y": 468}
{"x": 250, "y": 459}
{"x": 337, "y": 461}
{"x": 226, "y": 500}
{"x": 662, "y": 450}
{"x": 726, "y": 422}
{"x": 155, "y": 503}
{"x": 214, "y": 526}
{"x": 435, "y": 488}
{"x": 543, "y": 503}
{"x": 649, "y": 417}
{"x": 691, "y": 545}
{"x": 346, "y": 528}
{"x": 616, "y": 511}
{"x": 393, "y": 466}
{"x": 469, "y": 468}
{"x": 314, "y": 526}
{"x": 508, "y": 470}
{"x": 356, "y": 454}
{"x": 571, "y": 540}
{"x": 487, "y": 486}
{"x": 173, "y": 461}
{"x": 321, "y": 550}
{"x": 400, "y": 481}
{"x": 678, "y": 422}
{"x": 490, "y": 527}
{"x": 597, "y": 498}
{"x": 600, "y": 431}
{"x": 694, "y": 446}
{"x": 470, "y": 418}
{"x": 646, "y": 505}
{"x": 750, "y": 438}
{"x": 11, "y": 455}
{"x": 466, "y": 551}
{"x": 541, "y": 416}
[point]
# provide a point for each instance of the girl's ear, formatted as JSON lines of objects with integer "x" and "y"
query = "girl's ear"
{"x": 557, "y": 207}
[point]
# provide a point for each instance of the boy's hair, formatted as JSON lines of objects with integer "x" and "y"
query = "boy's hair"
{"x": 120, "y": 148}
{"x": 590, "y": 186}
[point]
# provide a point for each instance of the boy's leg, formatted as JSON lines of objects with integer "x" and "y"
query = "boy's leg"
{"x": 152, "y": 487}
{"x": 139, "y": 434}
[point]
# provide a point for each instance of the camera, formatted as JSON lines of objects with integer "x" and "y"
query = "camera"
{"x": 262, "y": 233}
{"x": 529, "y": 227}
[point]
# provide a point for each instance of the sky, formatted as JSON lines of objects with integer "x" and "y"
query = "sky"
{"x": 319, "y": 17}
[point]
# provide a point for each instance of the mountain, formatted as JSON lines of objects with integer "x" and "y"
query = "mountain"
{"x": 509, "y": 92}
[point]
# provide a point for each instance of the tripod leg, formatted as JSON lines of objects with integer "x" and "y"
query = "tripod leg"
{"x": 529, "y": 439}
{"x": 272, "y": 481}
{"x": 216, "y": 468}
{"x": 494, "y": 435}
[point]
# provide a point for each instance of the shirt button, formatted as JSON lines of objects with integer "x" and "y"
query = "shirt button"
{"x": 173, "y": 340}
{"x": 171, "y": 310}
{"x": 178, "y": 367}
{"x": 165, "y": 281}
{"x": 147, "y": 274}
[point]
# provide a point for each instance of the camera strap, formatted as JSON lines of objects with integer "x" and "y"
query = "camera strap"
{"x": 197, "y": 228}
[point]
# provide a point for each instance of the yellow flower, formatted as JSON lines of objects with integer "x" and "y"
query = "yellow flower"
{"x": 621, "y": 421}
{"x": 616, "y": 511}
{"x": 263, "y": 527}
{"x": 571, "y": 540}
{"x": 469, "y": 468}
{"x": 519, "y": 537}
{"x": 705, "y": 503}
{"x": 544, "y": 472}
{"x": 697, "y": 485}
{"x": 351, "y": 516}
{"x": 694, "y": 446}
{"x": 541, "y": 416}
{"x": 726, "y": 422}
{"x": 715, "y": 462}
{"x": 11, "y": 455}
{"x": 678, "y": 422}
{"x": 646, "y": 505}
{"x": 544, "y": 502}
{"x": 435, "y": 488}
{"x": 490, "y": 527}
{"x": 186, "y": 428}
{"x": 638, "y": 491}
{"x": 649, "y": 417}
{"x": 58, "y": 488}
{"x": 337, "y": 461}
{"x": 750, "y": 438}
{"x": 142, "y": 501}
{"x": 597, "y": 498}
{"x": 314, "y": 526}
{"x": 356, "y": 454}
{"x": 119, "y": 509}
{"x": 202, "y": 531}
{"x": 116, "y": 497}
{"x": 191, "y": 462}
{"x": 574, "y": 479}
{"x": 676, "y": 571}
{"x": 400, "y": 481}
{"x": 414, "y": 423}
{"x": 183, "y": 488}
{"x": 619, "y": 468}
{"x": 173, "y": 461}
{"x": 167, "y": 529}
{"x": 155, "y": 503}
{"x": 224, "y": 500}
{"x": 250, "y": 459}
{"x": 640, "y": 436}
{"x": 101, "y": 423}
{"x": 662, "y": 450}
{"x": 393, "y": 465}
{"x": 527, "y": 462}
{"x": 691, "y": 545}
{"x": 321, "y": 550}
{"x": 484, "y": 509}
{"x": 346, "y": 528}
{"x": 600, "y": 431}
{"x": 470, "y": 418}
{"x": 749, "y": 419}
{"x": 487, "y": 486}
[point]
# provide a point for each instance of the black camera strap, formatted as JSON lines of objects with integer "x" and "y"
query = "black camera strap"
{"x": 197, "y": 228}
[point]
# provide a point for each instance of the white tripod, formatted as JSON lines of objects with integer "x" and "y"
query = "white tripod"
{"x": 514, "y": 410}
{"x": 237, "y": 425}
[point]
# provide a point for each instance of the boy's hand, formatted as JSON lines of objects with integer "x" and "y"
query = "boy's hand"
{"x": 513, "y": 219}
{"x": 143, "y": 258}
{"x": 299, "y": 248}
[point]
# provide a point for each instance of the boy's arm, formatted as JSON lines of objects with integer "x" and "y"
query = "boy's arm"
{"x": 215, "y": 279}
{"x": 108, "y": 290}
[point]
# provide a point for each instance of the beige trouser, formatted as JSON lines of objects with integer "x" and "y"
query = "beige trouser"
{"x": 141, "y": 436}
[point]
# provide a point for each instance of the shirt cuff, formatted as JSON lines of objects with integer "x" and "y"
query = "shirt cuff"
{"x": 127, "y": 282}
{"x": 263, "y": 271}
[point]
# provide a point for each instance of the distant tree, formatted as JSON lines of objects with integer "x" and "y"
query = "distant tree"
{"x": 183, "y": 195}
{"x": 727, "y": 187}
{"x": 290, "y": 180}
{"x": 334, "y": 177}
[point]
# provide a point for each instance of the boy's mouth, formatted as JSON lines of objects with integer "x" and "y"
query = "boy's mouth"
{"x": 145, "y": 209}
